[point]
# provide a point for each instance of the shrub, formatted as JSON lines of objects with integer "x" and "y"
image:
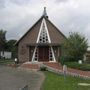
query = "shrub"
{"x": 76, "y": 65}
{"x": 43, "y": 68}
{"x": 74, "y": 47}
{"x": 64, "y": 59}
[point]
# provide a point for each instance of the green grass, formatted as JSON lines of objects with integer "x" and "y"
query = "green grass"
{"x": 83, "y": 66}
{"x": 5, "y": 62}
{"x": 57, "y": 82}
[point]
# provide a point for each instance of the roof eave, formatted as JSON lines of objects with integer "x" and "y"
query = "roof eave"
{"x": 56, "y": 28}
{"x": 29, "y": 30}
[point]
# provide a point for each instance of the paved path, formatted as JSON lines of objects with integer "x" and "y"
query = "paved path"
{"x": 71, "y": 70}
{"x": 15, "y": 79}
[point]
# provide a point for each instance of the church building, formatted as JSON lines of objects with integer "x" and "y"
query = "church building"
{"x": 41, "y": 43}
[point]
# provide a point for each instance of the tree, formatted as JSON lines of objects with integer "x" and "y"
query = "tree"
{"x": 7, "y": 45}
{"x": 11, "y": 47}
{"x": 2, "y": 40}
{"x": 74, "y": 47}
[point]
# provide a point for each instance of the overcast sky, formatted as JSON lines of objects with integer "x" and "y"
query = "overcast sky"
{"x": 17, "y": 16}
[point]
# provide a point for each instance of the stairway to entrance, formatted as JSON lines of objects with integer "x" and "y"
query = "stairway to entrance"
{"x": 56, "y": 67}
{"x": 36, "y": 65}
{"x": 31, "y": 66}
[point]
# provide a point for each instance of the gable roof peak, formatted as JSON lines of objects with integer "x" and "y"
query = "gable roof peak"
{"x": 45, "y": 13}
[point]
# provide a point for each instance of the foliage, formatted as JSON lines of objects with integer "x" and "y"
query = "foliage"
{"x": 11, "y": 47}
{"x": 62, "y": 60}
{"x": 43, "y": 68}
{"x": 7, "y": 45}
{"x": 2, "y": 39}
{"x": 5, "y": 62}
{"x": 58, "y": 82}
{"x": 76, "y": 65}
{"x": 74, "y": 47}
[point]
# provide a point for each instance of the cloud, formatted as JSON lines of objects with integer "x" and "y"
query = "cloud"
{"x": 59, "y": 1}
{"x": 17, "y": 16}
{"x": 2, "y": 4}
{"x": 87, "y": 32}
{"x": 20, "y": 2}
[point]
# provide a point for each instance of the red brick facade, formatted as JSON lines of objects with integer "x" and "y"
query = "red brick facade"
{"x": 27, "y": 43}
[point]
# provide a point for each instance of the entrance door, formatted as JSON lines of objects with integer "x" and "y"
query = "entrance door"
{"x": 43, "y": 53}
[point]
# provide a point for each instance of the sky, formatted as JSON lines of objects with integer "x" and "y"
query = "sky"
{"x": 17, "y": 16}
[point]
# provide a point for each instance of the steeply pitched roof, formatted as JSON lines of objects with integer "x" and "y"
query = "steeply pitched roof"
{"x": 28, "y": 31}
{"x": 56, "y": 35}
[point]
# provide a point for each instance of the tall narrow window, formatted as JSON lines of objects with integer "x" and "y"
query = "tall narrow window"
{"x": 35, "y": 55}
{"x": 43, "y": 35}
{"x": 50, "y": 54}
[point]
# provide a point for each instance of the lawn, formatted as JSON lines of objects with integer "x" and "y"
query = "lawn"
{"x": 6, "y": 61}
{"x": 57, "y": 82}
{"x": 76, "y": 65}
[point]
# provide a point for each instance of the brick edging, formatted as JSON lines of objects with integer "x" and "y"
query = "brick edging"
{"x": 67, "y": 73}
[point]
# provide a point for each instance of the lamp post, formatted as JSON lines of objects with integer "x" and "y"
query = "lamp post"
{"x": 16, "y": 61}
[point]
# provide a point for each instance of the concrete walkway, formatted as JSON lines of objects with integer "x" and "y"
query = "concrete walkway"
{"x": 70, "y": 70}
{"x": 15, "y": 79}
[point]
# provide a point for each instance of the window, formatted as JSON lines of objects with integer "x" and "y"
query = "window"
{"x": 43, "y": 35}
{"x": 50, "y": 54}
{"x": 36, "y": 55}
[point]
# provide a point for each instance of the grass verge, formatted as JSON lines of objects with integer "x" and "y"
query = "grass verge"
{"x": 6, "y": 61}
{"x": 76, "y": 65}
{"x": 57, "y": 82}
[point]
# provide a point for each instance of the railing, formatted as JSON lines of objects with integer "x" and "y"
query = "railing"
{"x": 25, "y": 88}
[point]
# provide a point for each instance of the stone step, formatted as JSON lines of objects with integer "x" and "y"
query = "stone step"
{"x": 30, "y": 66}
{"x": 37, "y": 65}
{"x": 55, "y": 65}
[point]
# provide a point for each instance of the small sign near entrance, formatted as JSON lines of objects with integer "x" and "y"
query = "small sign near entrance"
{"x": 80, "y": 61}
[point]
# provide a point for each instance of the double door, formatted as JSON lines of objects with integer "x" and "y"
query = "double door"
{"x": 43, "y": 53}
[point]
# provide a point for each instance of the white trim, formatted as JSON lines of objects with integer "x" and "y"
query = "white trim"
{"x": 39, "y": 32}
{"x": 49, "y": 41}
{"x": 41, "y": 28}
{"x": 53, "y": 54}
{"x": 34, "y": 55}
{"x": 47, "y": 31}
